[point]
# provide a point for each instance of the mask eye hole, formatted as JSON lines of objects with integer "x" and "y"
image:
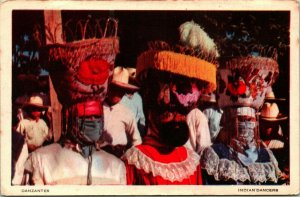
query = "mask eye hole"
{"x": 182, "y": 86}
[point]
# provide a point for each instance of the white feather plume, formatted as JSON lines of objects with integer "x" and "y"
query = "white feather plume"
{"x": 194, "y": 36}
{"x": 184, "y": 30}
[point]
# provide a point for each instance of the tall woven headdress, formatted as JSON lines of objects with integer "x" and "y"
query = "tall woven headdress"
{"x": 81, "y": 69}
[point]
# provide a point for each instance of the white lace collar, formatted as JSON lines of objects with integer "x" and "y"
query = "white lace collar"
{"x": 225, "y": 169}
{"x": 175, "y": 171}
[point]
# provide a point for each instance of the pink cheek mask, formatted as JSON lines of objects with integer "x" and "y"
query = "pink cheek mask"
{"x": 188, "y": 99}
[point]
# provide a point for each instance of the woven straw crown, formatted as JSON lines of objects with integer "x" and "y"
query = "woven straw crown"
{"x": 67, "y": 63}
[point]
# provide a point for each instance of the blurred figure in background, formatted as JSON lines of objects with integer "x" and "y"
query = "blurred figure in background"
{"x": 209, "y": 107}
{"x": 30, "y": 134}
{"x": 34, "y": 128}
{"x": 270, "y": 129}
{"x": 133, "y": 101}
{"x": 120, "y": 128}
{"x": 199, "y": 133}
{"x": 273, "y": 137}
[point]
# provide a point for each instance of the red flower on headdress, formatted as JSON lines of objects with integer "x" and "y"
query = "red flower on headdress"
{"x": 237, "y": 88}
{"x": 94, "y": 72}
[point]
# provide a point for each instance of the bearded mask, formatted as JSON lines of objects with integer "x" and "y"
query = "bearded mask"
{"x": 168, "y": 98}
{"x": 164, "y": 91}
